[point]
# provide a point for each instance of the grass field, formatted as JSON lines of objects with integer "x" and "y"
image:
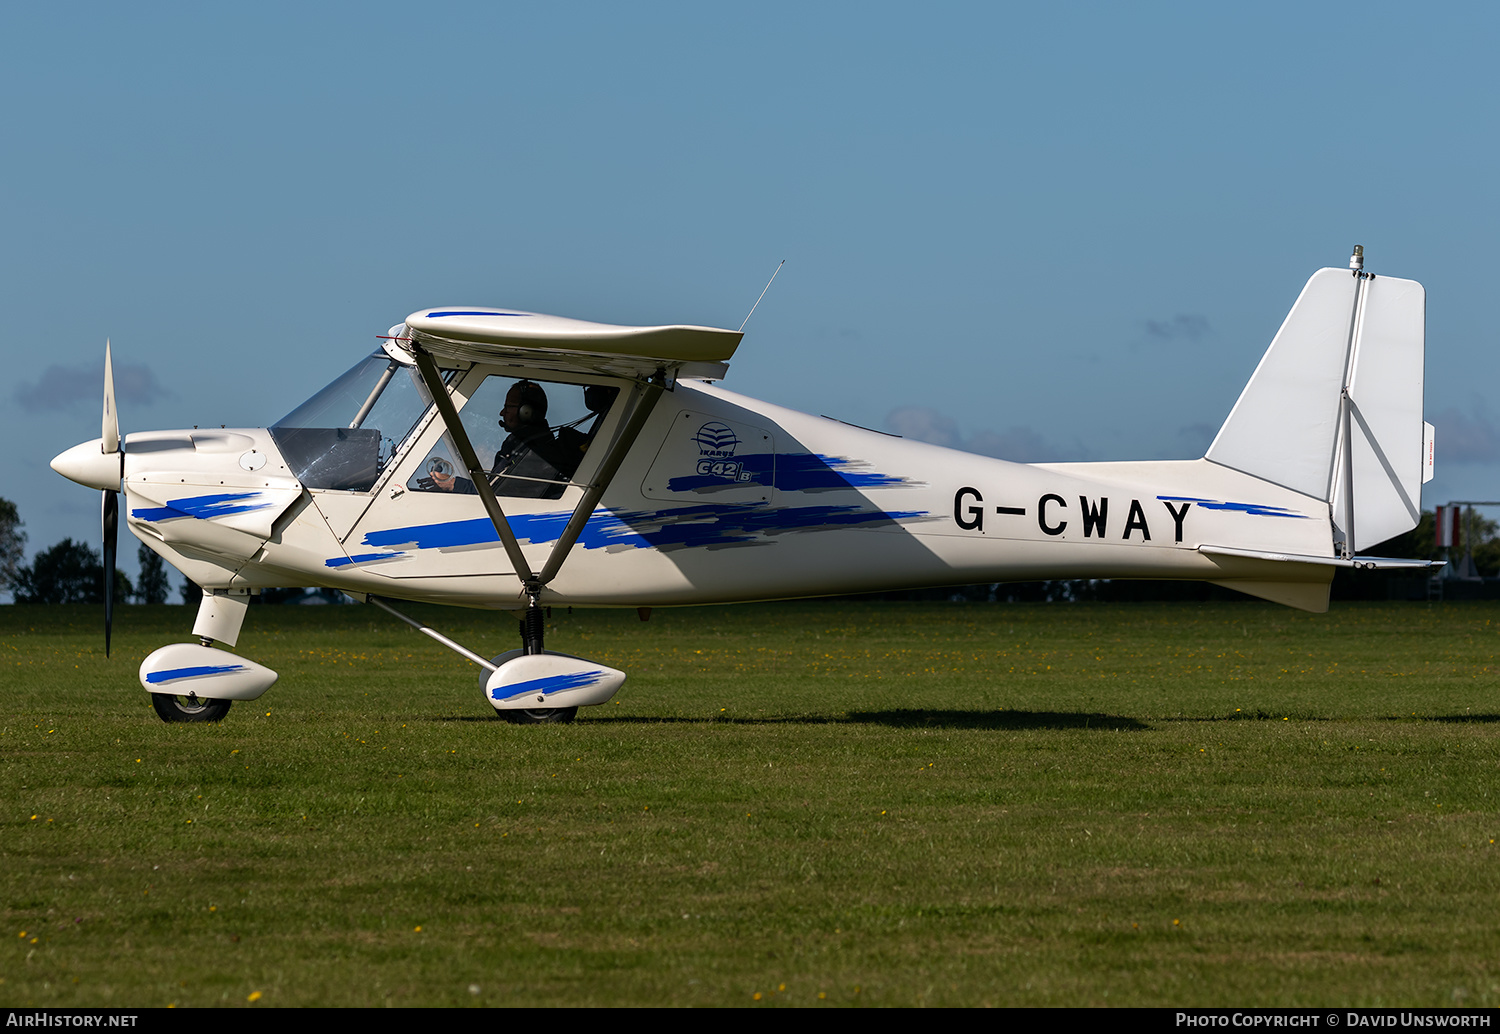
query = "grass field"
{"x": 799, "y": 804}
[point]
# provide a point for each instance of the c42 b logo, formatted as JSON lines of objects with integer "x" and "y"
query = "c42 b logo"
{"x": 716, "y": 445}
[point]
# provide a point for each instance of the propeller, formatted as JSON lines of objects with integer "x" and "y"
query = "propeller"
{"x": 110, "y": 433}
{"x": 109, "y": 514}
{"x": 110, "y": 519}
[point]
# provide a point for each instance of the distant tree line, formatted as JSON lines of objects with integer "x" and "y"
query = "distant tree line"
{"x": 70, "y": 572}
{"x": 73, "y": 572}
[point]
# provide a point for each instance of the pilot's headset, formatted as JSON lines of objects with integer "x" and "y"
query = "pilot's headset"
{"x": 533, "y": 407}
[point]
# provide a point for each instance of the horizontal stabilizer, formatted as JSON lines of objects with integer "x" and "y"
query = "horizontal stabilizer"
{"x": 1361, "y": 563}
{"x": 1294, "y": 579}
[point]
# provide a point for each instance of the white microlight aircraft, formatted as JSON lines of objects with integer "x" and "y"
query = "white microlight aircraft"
{"x": 623, "y": 475}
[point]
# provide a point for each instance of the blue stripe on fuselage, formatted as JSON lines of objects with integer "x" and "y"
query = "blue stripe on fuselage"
{"x": 204, "y": 507}
{"x": 1253, "y": 509}
{"x": 675, "y": 528}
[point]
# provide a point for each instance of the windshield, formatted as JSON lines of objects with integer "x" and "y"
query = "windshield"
{"x": 348, "y": 433}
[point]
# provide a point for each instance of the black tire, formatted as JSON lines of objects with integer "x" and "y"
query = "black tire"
{"x": 540, "y": 715}
{"x": 189, "y": 709}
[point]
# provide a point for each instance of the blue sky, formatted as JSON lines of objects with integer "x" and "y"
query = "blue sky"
{"x": 1048, "y": 232}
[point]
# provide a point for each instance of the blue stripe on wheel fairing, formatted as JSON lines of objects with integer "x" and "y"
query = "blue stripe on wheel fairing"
{"x": 173, "y": 674}
{"x": 550, "y": 684}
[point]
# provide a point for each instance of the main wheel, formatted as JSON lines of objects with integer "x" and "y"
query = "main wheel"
{"x": 189, "y": 709}
{"x": 540, "y": 715}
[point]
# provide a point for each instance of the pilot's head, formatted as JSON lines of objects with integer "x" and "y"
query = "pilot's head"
{"x": 525, "y": 406}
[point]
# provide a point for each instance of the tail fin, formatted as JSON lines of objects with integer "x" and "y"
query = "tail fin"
{"x": 1334, "y": 410}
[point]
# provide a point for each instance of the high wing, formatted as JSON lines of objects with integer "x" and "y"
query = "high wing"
{"x": 481, "y": 334}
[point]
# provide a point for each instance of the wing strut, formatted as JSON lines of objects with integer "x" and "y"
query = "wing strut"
{"x": 480, "y": 476}
{"x": 532, "y": 625}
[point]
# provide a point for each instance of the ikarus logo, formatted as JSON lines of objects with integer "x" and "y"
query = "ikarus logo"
{"x": 716, "y": 445}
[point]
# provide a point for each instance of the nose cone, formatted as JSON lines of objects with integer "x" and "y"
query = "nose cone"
{"x": 88, "y": 464}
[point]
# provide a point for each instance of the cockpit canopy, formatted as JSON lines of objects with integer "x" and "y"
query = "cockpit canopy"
{"x": 345, "y": 435}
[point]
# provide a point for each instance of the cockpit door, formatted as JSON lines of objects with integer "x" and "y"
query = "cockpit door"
{"x": 426, "y": 520}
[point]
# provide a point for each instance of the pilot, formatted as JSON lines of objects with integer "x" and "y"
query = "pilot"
{"x": 529, "y": 452}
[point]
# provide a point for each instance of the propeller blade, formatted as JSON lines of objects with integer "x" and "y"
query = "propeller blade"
{"x": 110, "y": 519}
{"x": 111, "y": 427}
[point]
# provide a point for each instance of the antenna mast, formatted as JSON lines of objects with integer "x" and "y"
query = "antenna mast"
{"x": 762, "y": 295}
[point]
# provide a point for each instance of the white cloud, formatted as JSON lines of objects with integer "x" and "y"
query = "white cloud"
{"x": 76, "y": 387}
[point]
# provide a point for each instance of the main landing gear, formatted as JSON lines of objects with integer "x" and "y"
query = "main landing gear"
{"x": 533, "y": 630}
{"x": 532, "y": 685}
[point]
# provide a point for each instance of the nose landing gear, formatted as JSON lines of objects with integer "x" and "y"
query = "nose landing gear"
{"x": 193, "y": 682}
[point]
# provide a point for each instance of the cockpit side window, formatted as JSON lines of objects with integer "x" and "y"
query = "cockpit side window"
{"x": 536, "y": 431}
{"x": 347, "y": 434}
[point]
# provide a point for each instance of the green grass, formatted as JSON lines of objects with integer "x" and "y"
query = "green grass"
{"x": 821, "y": 803}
